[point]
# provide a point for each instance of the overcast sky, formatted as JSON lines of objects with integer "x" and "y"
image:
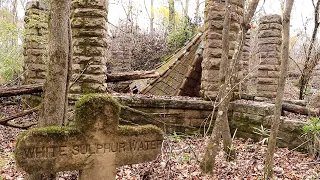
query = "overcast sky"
{"x": 302, "y": 12}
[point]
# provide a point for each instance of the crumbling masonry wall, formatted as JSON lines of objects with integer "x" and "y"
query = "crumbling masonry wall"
{"x": 244, "y": 64}
{"x": 214, "y": 17}
{"x": 183, "y": 115}
{"x": 270, "y": 39}
{"x": 35, "y": 46}
{"x": 89, "y": 32}
{"x": 35, "y": 42}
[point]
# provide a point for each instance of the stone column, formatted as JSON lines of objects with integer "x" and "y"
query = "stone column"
{"x": 269, "y": 44}
{"x": 121, "y": 55}
{"x": 244, "y": 64}
{"x": 121, "y": 60}
{"x": 214, "y": 17}
{"x": 35, "y": 46}
{"x": 89, "y": 32}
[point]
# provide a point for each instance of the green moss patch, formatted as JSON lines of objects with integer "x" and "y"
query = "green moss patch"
{"x": 55, "y": 132}
{"x": 139, "y": 130}
{"x": 92, "y": 106}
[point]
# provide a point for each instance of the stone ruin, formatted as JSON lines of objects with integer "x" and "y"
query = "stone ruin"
{"x": 35, "y": 46}
{"x": 89, "y": 27}
{"x": 270, "y": 39}
{"x": 96, "y": 145}
{"x": 214, "y": 17}
{"x": 89, "y": 31}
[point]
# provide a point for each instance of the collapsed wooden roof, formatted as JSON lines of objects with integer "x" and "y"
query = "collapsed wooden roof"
{"x": 180, "y": 75}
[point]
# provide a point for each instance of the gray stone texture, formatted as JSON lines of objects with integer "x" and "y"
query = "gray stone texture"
{"x": 214, "y": 17}
{"x": 269, "y": 45}
{"x": 35, "y": 42}
{"x": 35, "y": 47}
{"x": 89, "y": 32}
{"x": 95, "y": 145}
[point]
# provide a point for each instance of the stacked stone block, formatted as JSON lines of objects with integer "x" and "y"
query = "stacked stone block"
{"x": 35, "y": 47}
{"x": 244, "y": 63}
{"x": 35, "y": 42}
{"x": 89, "y": 32}
{"x": 120, "y": 60}
{"x": 269, "y": 43}
{"x": 121, "y": 53}
{"x": 214, "y": 17}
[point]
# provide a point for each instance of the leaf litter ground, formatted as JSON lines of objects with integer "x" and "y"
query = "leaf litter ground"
{"x": 179, "y": 159}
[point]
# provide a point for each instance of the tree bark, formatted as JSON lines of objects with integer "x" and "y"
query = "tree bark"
{"x": 54, "y": 101}
{"x": 222, "y": 119}
{"x": 311, "y": 60}
{"x": 186, "y": 11}
{"x": 172, "y": 23}
{"x": 221, "y": 123}
{"x": 152, "y": 17}
{"x": 196, "y": 15}
{"x": 268, "y": 165}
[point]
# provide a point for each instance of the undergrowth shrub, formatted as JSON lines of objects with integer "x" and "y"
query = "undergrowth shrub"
{"x": 311, "y": 133}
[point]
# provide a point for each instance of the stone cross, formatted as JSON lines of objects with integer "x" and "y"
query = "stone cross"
{"x": 95, "y": 145}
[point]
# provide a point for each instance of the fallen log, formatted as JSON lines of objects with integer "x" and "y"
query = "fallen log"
{"x": 24, "y": 89}
{"x": 3, "y": 121}
{"x": 117, "y": 77}
{"x": 37, "y": 88}
{"x": 296, "y": 102}
{"x": 297, "y": 109}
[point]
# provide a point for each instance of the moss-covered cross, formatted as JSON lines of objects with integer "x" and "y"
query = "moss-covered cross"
{"x": 95, "y": 145}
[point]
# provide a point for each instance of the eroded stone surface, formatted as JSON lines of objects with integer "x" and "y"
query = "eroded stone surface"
{"x": 95, "y": 145}
{"x": 214, "y": 17}
{"x": 35, "y": 46}
{"x": 89, "y": 32}
{"x": 269, "y": 45}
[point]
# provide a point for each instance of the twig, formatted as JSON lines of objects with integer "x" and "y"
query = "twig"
{"x": 311, "y": 163}
{"x": 72, "y": 83}
{"x": 4, "y": 121}
{"x": 23, "y": 126}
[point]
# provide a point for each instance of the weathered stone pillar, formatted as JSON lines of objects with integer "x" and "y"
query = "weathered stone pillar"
{"x": 35, "y": 46}
{"x": 244, "y": 64}
{"x": 89, "y": 32}
{"x": 121, "y": 60}
{"x": 269, "y": 44}
{"x": 121, "y": 55}
{"x": 214, "y": 17}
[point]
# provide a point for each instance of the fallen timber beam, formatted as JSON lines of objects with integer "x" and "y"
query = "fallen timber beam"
{"x": 297, "y": 109}
{"x": 24, "y": 89}
{"x": 117, "y": 77}
{"x": 3, "y": 121}
{"x": 37, "y": 88}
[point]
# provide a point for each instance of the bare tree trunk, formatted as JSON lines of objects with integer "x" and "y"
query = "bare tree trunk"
{"x": 197, "y": 14}
{"x": 213, "y": 144}
{"x": 54, "y": 102}
{"x": 268, "y": 171}
{"x": 311, "y": 60}
{"x": 221, "y": 126}
{"x": 186, "y": 11}
{"x": 172, "y": 22}
{"x": 55, "y": 99}
{"x": 14, "y": 10}
{"x": 152, "y": 17}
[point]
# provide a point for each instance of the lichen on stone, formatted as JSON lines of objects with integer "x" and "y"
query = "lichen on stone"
{"x": 92, "y": 106}
{"x": 139, "y": 130}
{"x": 57, "y": 132}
